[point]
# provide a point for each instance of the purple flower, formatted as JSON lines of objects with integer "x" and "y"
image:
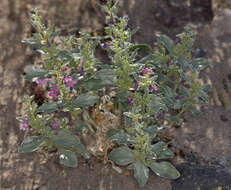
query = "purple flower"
{"x": 24, "y": 125}
{"x": 179, "y": 97}
{"x": 105, "y": 45}
{"x": 55, "y": 125}
{"x": 48, "y": 43}
{"x": 151, "y": 75}
{"x": 145, "y": 71}
{"x": 136, "y": 85}
{"x": 159, "y": 115}
{"x": 130, "y": 101}
{"x": 154, "y": 88}
{"x": 81, "y": 71}
{"x": 42, "y": 81}
{"x": 70, "y": 81}
{"x": 183, "y": 81}
{"x": 64, "y": 69}
{"x": 54, "y": 92}
{"x": 177, "y": 40}
{"x": 169, "y": 63}
{"x": 111, "y": 19}
{"x": 35, "y": 47}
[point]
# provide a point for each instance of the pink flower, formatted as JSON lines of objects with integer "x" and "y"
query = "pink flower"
{"x": 42, "y": 81}
{"x": 145, "y": 71}
{"x": 70, "y": 81}
{"x": 64, "y": 69}
{"x": 24, "y": 125}
{"x": 154, "y": 88}
{"x": 130, "y": 101}
{"x": 55, "y": 125}
{"x": 159, "y": 115}
{"x": 54, "y": 92}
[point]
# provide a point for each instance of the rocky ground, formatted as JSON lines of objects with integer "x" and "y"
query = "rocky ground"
{"x": 202, "y": 144}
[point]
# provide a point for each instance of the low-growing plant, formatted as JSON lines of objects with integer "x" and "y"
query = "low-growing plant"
{"x": 123, "y": 104}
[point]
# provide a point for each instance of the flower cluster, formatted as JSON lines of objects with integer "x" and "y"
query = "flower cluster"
{"x": 24, "y": 126}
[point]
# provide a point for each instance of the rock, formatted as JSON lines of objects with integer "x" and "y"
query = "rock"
{"x": 208, "y": 136}
{"x": 215, "y": 38}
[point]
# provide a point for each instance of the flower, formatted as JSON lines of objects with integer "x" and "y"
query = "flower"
{"x": 55, "y": 125}
{"x": 179, "y": 97}
{"x": 70, "y": 81}
{"x": 145, "y": 71}
{"x": 177, "y": 40}
{"x": 64, "y": 69}
{"x": 35, "y": 47}
{"x": 154, "y": 88}
{"x": 130, "y": 101}
{"x": 111, "y": 19}
{"x": 24, "y": 125}
{"x": 159, "y": 115}
{"x": 42, "y": 81}
{"x": 136, "y": 85}
{"x": 48, "y": 43}
{"x": 54, "y": 92}
{"x": 81, "y": 71}
{"x": 105, "y": 45}
{"x": 169, "y": 63}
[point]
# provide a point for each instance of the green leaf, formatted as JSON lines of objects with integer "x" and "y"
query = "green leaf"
{"x": 102, "y": 65}
{"x": 122, "y": 156}
{"x": 102, "y": 78}
{"x": 122, "y": 138}
{"x": 68, "y": 158}
{"x": 85, "y": 100}
{"x": 143, "y": 60}
{"x": 167, "y": 43}
{"x": 35, "y": 73}
{"x": 174, "y": 119}
{"x": 141, "y": 173}
{"x": 65, "y": 139}
{"x": 159, "y": 147}
{"x": 80, "y": 127}
{"x": 105, "y": 74}
{"x": 161, "y": 151}
{"x": 54, "y": 34}
{"x": 48, "y": 107}
{"x": 80, "y": 148}
{"x": 140, "y": 46}
{"x": 152, "y": 131}
{"x": 166, "y": 154}
{"x": 199, "y": 63}
{"x": 31, "y": 144}
{"x": 96, "y": 84}
{"x": 164, "y": 169}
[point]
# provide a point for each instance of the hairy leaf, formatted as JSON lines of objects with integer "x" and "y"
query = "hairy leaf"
{"x": 31, "y": 144}
{"x": 141, "y": 173}
{"x": 85, "y": 100}
{"x": 164, "y": 169}
{"x": 122, "y": 156}
{"x": 68, "y": 158}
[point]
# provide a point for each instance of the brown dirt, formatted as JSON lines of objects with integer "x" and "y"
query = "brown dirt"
{"x": 40, "y": 171}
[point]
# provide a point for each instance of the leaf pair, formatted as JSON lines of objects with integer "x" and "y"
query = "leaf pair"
{"x": 124, "y": 156}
